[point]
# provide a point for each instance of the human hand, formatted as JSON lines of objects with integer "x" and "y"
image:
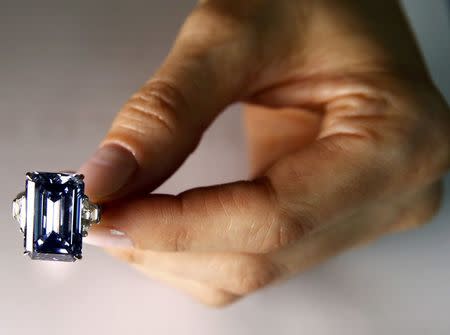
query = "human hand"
{"x": 348, "y": 140}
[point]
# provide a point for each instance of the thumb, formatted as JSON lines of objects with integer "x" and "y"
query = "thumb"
{"x": 162, "y": 123}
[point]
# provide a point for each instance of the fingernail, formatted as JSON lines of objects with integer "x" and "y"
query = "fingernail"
{"x": 108, "y": 171}
{"x": 107, "y": 238}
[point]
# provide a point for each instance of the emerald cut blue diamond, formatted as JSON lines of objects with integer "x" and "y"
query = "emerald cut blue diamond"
{"x": 53, "y": 218}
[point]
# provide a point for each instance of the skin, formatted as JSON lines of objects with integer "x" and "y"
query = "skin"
{"x": 348, "y": 141}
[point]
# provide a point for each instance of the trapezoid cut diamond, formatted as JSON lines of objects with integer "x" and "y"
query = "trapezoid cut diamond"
{"x": 53, "y": 229}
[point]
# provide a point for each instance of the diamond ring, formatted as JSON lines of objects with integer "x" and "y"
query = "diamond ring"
{"x": 54, "y": 215}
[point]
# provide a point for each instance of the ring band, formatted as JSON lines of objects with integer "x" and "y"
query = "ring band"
{"x": 54, "y": 215}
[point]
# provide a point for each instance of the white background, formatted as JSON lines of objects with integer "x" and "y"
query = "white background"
{"x": 65, "y": 69}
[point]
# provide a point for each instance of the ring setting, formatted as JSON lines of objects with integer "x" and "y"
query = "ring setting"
{"x": 54, "y": 215}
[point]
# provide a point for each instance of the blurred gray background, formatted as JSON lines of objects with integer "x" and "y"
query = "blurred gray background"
{"x": 65, "y": 68}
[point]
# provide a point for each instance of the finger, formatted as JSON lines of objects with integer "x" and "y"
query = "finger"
{"x": 203, "y": 293}
{"x": 301, "y": 193}
{"x": 162, "y": 123}
{"x": 237, "y": 216}
{"x": 273, "y": 133}
{"x": 242, "y": 274}
{"x": 239, "y": 274}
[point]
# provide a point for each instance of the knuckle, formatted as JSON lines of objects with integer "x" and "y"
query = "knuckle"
{"x": 155, "y": 117}
{"x": 295, "y": 222}
{"x": 289, "y": 221}
{"x": 181, "y": 236}
{"x": 429, "y": 208}
{"x": 154, "y": 106}
{"x": 180, "y": 239}
{"x": 292, "y": 230}
{"x": 285, "y": 232}
{"x": 421, "y": 209}
{"x": 420, "y": 158}
{"x": 253, "y": 272}
{"x": 439, "y": 139}
{"x": 424, "y": 138}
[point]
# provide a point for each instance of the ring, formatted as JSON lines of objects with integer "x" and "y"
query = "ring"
{"x": 54, "y": 215}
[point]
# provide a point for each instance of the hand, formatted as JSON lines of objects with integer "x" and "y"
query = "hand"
{"x": 348, "y": 140}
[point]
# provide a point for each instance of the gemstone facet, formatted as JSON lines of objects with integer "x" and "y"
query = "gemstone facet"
{"x": 53, "y": 216}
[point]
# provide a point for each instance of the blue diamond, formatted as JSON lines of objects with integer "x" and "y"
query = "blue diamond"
{"x": 53, "y": 229}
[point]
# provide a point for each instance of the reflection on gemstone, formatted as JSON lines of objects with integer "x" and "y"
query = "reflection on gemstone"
{"x": 53, "y": 229}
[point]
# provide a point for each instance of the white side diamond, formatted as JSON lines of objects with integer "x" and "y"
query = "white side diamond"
{"x": 19, "y": 210}
{"x": 90, "y": 214}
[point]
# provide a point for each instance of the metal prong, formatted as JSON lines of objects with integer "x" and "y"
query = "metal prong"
{"x": 79, "y": 175}
{"x": 20, "y": 195}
